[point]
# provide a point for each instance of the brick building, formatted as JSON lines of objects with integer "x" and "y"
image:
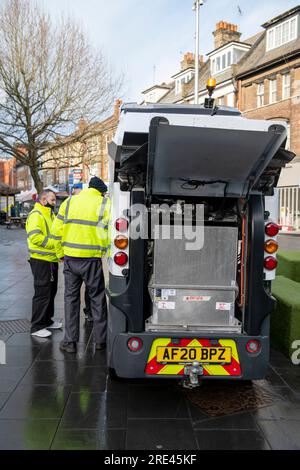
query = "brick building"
{"x": 78, "y": 162}
{"x": 268, "y": 79}
{"x": 23, "y": 177}
{"x": 8, "y": 172}
{"x": 7, "y": 185}
{"x": 259, "y": 75}
{"x": 222, "y": 64}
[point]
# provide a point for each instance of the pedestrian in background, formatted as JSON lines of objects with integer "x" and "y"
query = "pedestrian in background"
{"x": 82, "y": 226}
{"x": 44, "y": 264}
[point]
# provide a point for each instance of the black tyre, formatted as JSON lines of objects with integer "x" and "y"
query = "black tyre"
{"x": 112, "y": 375}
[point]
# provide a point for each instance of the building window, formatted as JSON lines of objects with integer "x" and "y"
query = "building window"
{"x": 188, "y": 77}
{"x": 282, "y": 33}
{"x": 286, "y": 86}
{"x": 93, "y": 170}
{"x": 273, "y": 91}
{"x": 221, "y": 101}
{"x": 213, "y": 66}
{"x": 62, "y": 177}
{"x": 228, "y": 58}
{"x": 260, "y": 95}
{"x": 178, "y": 85}
{"x": 221, "y": 62}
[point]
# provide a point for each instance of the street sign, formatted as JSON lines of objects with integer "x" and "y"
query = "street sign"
{"x": 77, "y": 175}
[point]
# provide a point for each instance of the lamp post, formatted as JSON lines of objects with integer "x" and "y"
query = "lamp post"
{"x": 196, "y": 8}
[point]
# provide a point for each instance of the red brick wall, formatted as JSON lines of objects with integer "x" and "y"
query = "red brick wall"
{"x": 287, "y": 109}
{"x": 8, "y": 172}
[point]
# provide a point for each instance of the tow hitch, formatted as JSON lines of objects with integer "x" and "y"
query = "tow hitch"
{"x": 193, "y": 372}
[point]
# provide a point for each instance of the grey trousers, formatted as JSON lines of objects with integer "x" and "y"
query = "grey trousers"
{"x": 90, "y": 272}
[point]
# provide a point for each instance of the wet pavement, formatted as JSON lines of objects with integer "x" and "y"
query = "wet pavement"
{"x": 51, "y": 400}
{"x": 289, "y": 242}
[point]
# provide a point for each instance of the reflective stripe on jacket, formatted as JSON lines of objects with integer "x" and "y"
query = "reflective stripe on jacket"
{"x": 81, "y": 226}
{"x": 39, "y": 239}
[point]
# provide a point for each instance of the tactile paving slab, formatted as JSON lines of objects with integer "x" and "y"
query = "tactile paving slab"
{"x": 14, "y": 326}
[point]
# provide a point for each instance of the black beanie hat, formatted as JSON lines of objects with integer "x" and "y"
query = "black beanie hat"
{"x": 98, "y": 184}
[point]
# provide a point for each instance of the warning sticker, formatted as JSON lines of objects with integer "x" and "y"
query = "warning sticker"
{"x": 166, "y": 305}
{"x": 158, "y": 295}
{"x": 223, "y": 305}
{"x": 196, "y": 298}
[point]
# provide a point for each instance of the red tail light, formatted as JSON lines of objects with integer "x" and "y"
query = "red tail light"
{"x": 122, "y": 225}
{"x": 253, "y": 346}
{"x": 270, "y": 263}
{"x": 120, "y": 258}
{"x": 134, "y": 344}
{"x": 271, "y": 229}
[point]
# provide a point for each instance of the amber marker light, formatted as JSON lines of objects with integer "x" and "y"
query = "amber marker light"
{"x": 271, "y": 246}
{"x": 121, "y": 242}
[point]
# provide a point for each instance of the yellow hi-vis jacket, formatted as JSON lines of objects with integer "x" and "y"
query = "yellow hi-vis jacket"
{"x": 39, "y": 239}
{"x": 81, "y": 226}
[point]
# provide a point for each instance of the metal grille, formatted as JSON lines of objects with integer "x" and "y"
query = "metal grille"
{"x": 213, "y": 265}
{"x": 14, "y": 326}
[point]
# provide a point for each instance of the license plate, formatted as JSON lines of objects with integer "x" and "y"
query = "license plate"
{"x": 217, "y": 355}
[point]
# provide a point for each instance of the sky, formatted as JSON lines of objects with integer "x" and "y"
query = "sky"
{"x": 145, "y": 39}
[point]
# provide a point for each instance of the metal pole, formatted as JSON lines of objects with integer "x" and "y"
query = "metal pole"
{"x": 197, "y": 10}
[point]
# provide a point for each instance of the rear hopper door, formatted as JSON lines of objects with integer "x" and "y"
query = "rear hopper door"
{"x": 210, "y": 161}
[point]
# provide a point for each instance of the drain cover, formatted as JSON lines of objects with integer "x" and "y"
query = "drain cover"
{"x": 14, "y": 326}
{"x": 219, "y": 399}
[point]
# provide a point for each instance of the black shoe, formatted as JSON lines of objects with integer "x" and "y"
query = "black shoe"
{"x": 67, "y": 347}
{"x": 100, "y": 346}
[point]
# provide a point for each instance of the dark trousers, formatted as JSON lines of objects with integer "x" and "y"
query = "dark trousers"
{"x": 45, "y": 288}
{"x": 87, "y": 307}
{"x": 90, "y": 272}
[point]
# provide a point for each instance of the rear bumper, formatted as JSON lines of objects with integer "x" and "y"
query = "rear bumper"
{"x": 129, "y": 364}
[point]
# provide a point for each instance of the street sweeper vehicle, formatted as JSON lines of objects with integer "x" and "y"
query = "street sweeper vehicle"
{"x": 193, "y": 247}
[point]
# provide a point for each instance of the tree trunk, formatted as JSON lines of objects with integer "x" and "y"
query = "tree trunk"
{"x": 38, "y": 183}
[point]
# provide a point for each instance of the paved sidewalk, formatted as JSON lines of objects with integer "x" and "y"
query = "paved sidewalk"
{"x": 49, "y": 400}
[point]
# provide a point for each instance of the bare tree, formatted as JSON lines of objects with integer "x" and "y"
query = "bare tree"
{"x": 50, "y": 79}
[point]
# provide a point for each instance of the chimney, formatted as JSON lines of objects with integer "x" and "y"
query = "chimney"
{"x": 225, "y": 33}
{"x": 117, "y": 106}
{"x": 188, "y": 61}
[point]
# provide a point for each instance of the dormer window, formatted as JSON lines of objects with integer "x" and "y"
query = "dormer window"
{"x": 221, "y": 62}
{"x": 155, "y": 93}
{"x": 178, "y": 86}
{"x": 224, "y": 57}
{"x": 182, "y": 78}
{"x": 282, "y": 33}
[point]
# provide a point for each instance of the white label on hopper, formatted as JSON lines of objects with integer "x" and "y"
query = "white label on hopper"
{"x": 223, "y": 305}
{"x": 167, "y": 293}
{"x": 166, "y": 305}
